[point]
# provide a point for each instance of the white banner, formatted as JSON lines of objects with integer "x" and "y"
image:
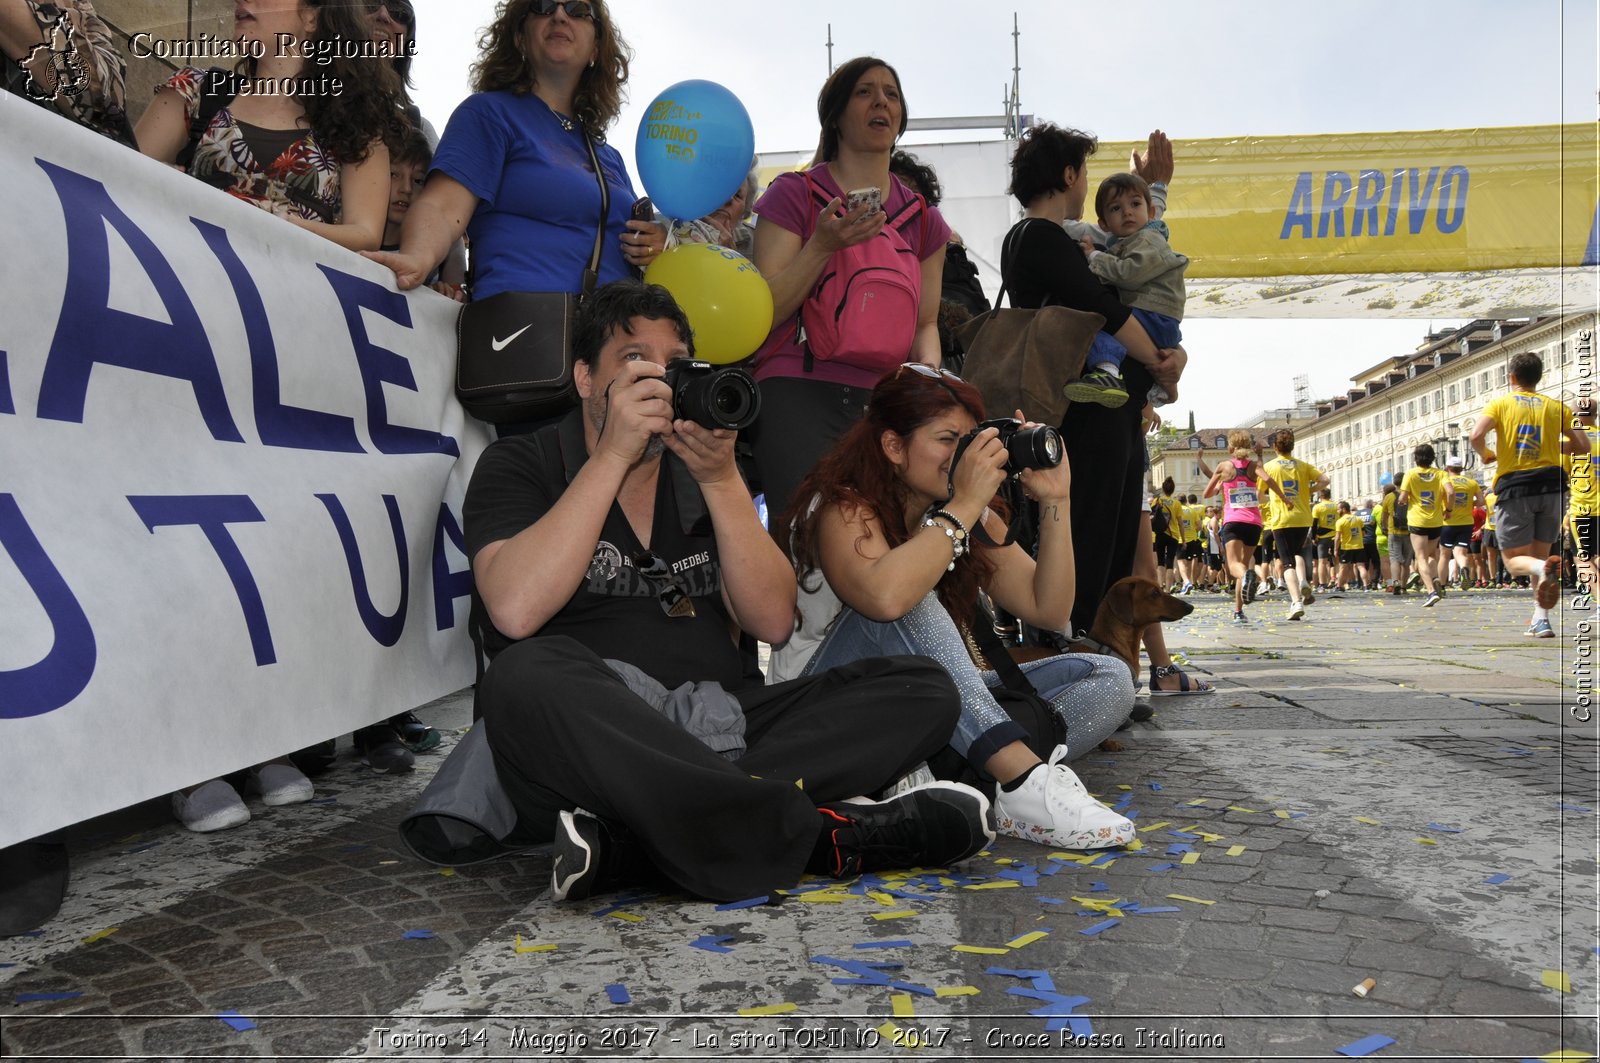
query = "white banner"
{"x": 231, "y": 472}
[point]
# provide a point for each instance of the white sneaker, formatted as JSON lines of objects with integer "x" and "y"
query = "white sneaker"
{"x": 1296, "y": 611}
{"x": 921, "y": 775}
{"x": 1053, "y": 808}
{"x": 281, "y": 784}
{"x": 211, "y": 806}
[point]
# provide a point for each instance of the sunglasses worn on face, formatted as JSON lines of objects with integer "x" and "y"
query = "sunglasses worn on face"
{"x": 573, "y": 8}
{"x": 675, "y": 601}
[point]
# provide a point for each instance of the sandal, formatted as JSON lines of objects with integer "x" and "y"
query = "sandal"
{"x": 1185, "y": 684}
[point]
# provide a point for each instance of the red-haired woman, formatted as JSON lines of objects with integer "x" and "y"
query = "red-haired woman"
{"x": 887, "y": 566}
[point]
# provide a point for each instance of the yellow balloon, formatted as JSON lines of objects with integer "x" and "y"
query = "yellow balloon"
{"x": 724, "y": 296}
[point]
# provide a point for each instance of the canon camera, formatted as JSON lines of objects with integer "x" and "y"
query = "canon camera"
{"x": 712, "y": 396}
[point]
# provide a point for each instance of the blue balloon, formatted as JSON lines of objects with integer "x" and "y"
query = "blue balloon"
{"x": 694, "y": 148}
{"x": 1386, "y": 479}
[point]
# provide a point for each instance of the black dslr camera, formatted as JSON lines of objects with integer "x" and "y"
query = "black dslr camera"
{"x": 712, "y": 396}
{"x": 1026, "y": 448}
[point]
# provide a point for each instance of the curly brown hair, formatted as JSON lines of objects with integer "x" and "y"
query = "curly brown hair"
{"x": 501, "y": 64}
{"x": 365, "y": 109}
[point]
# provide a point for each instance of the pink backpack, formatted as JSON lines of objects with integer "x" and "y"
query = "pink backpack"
{"x": 863, "y": 309}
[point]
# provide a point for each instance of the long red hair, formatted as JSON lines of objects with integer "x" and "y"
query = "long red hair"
{"x": 856, "y": 474}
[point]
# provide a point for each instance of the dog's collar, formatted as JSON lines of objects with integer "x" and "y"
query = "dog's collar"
{"x": 1094, "y": 645}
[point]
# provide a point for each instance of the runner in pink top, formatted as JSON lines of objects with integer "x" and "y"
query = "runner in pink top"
{"x": 1239, "y": 478}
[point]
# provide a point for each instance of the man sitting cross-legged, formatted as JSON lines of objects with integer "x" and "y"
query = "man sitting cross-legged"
{"x": 620, "y": 558}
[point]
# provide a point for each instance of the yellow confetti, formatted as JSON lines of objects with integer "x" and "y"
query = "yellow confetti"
{"x": 1241, "y": 808}
{"x": 902, "y": 1005}
{"x": 1426, "y": 841}
{"x": 1134, "y": 846}
{"x": 1570, "y": 1055}
{"x": 1026, "y": 939}
{"x": 800, "y": 783}
{"x": 1071, "y": 858}
{"x": 882, "y": 898}
{"x": 999, "y": 884}
{"x": 1193, "y": 828}
{"x": 520, "y": 947}
{"x": 448, "y": 872}
{"x": 1157, "y": 826}
{"x": 1210, "y": 839}
{"x": 1190, "y": 858}
{"x": 1198, "y": 801}
{"x": 956, "y": 991}
{"x": 979, "y": 950}
{"x": 1005, "y": 860}
{"x": 1556, "y": 980}
{"x": 1369, "y": 822}
{"x": 1281, "y": 813}
{"x": 386, "y": 863}
{"x": 1185, "y": 897}
{"x": 823, "y": 897}
{"x": 629, "y": 917}
{"x": 100, "y": 935}
{"x": 1123, "y": 786}
{"x": 770, "y": 1009}
{"x": 893, "y": 915}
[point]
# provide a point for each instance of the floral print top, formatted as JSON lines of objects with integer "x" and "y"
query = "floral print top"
{"x": 301, "y": 181}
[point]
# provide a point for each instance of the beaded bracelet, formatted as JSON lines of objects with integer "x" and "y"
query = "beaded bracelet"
{"x": 961, "y": 529}
{"x": 950, "y": 533}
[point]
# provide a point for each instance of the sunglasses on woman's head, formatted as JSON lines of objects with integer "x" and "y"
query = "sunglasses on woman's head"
{"x": 928, "y": 371}
{"x": 573, "y": 8}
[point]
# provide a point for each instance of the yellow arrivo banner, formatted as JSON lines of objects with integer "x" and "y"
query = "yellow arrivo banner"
{"x": 1444, "y": 201}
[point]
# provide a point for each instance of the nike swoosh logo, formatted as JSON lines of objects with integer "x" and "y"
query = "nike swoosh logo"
{"x": 500, "y": 345}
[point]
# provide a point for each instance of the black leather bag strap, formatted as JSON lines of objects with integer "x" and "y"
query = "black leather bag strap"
{"x": 591, "y": 275}
{"x": 995, "y": 652}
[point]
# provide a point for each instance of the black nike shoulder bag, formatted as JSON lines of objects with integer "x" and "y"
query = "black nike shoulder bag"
{"x": 514, "y": 350}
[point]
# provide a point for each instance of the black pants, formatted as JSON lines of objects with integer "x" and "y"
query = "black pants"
{"x": 566, "y": 732}
{"x": 1106, "y": 450}
{"x": 800, "y": 421}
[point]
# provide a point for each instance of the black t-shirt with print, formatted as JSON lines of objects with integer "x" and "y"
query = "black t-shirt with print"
{"x": 616, "y": 611}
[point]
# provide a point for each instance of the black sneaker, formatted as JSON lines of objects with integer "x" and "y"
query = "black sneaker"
{"x": 1251, "y": 582}
{"x": 935, "y": 825}
{"x": 416, "y": 735}
{"x": 382, "y": 751}
{"x": 590, "y": 855}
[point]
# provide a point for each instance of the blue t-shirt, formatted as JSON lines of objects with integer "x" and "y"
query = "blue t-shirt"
{"x": 538, "y": 201}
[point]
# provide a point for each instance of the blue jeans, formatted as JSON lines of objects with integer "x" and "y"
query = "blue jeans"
{"x": 1108, "y": 350}
{"x": 1093, "y": 694}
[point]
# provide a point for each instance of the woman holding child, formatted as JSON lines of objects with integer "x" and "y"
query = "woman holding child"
{"x": 893, "y": 542}
{"x": 1042, "y": 265}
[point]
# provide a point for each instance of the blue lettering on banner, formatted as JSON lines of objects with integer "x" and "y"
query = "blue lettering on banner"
{"x": 1441, "y": 195}
{"x": 65, "y": 671}
{"x": 279, "y": 425}
{"x": 380, "y": 366}
{"x": 179, "y": 350}
{"x": 385, "y": 630}
{"x": 6, "y": 405}
{"x": 448, "y": 585}
{"x": 212, "y": 514}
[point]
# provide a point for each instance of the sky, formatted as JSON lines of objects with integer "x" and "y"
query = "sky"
{"x": 1216, "y": 68}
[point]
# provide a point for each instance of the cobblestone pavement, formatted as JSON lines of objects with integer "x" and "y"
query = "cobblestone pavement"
{"x": 1377, "y": 793}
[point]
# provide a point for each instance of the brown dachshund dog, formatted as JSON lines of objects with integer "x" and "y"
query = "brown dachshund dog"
{"x": 1131, "y": 605}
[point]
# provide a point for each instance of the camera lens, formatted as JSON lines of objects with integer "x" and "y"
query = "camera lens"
{"x": 1035, "y": 448}
{"x": 733, "y": 401}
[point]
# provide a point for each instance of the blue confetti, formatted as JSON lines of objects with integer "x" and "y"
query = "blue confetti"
{"x": 1495, "y": 880}
{"x": 1154, "y": 911}
{"x": 1050, "y": 900}
{"x": 418, "y": 935}
{"x": 1179, "y": 849}
{"x": 751, "y": 902}
{"x": 902, "y": 944}
{"x": 1090, "y": 931}
{"x": 1366, "y": 1046}
{"x": 1563, "y": 806}
{"x": 1098, "y": 887}
{"x": 1162, "y": 867}
{"x": 1442, "y": 827}
{"x": 237, "y": 1021}
{"x": 1156, "y": 787}
{"x": 709, "y": 942}
{"x": 618, "y": 993}
{"x": 30, "y": 998}
{"x": 1103, "y": 859}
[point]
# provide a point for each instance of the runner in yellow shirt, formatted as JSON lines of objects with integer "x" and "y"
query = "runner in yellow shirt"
{"x": 1491, "y": 543}
{"x": 1347, "y": 534}
{"x": 1291, "y": 521}
{"x": 1583, "y": 508}
{"x": 1531, "y": 433}
{"x": 1456, "y": 535}
{"x": 1324, "y": 515}
{"x": 1168, "y": 537}
{"x": 1427, "y": 500}
{"x": 1191, "y": 555}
